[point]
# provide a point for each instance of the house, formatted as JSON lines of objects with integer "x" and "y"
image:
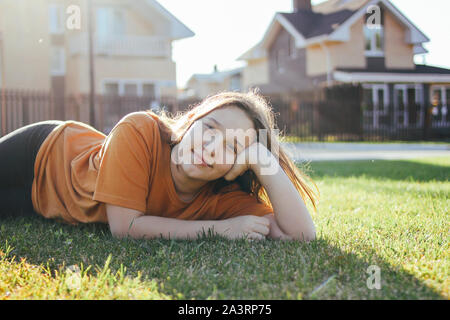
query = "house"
{"x": 369, "y": 42}
{"x": 199, "y": 86}
{"x": 44, "y": 44}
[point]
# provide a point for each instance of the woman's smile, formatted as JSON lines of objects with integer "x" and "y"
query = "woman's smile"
{"x": 201, "y": 160}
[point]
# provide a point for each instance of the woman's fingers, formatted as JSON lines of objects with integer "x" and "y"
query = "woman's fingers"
{"x": 241, "y": 164}
{"x": 255, "y": 236}
{"x": 262, "y": 229}
{"x": 263, "y": 221}
{"x": 235, "y": 171}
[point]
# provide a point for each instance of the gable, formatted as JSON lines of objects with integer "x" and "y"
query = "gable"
{"x": 163, "y": 20}
{"x": 314, "y": 27}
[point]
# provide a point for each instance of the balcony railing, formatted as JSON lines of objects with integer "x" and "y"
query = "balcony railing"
{"x": 126, "y": 45}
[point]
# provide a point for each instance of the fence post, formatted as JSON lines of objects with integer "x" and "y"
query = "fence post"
{"x": 25, "y": 113}
{"x": 3, "y": 114}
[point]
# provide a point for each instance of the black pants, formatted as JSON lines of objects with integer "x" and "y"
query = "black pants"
{"x": 18, "y": 151}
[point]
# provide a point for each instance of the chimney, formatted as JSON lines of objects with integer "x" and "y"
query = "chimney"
{"x": 302, "y": 5}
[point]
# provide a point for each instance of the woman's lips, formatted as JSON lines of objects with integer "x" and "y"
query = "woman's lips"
{"x": 203, "y": 163}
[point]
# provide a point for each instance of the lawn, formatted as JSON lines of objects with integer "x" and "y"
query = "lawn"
{"x": 338, "y": 139}
{"x": 388, "y": 214}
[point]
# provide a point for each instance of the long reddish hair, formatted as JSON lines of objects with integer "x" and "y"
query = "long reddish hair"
{"x": 174, "y": 127}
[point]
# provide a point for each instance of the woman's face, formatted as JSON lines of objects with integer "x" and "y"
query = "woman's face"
{"x": 209, "y": 148}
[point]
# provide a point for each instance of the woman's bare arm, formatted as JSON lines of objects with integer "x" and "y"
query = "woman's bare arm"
{"x": 291, "y": 213}
{"x": 275, "y": 231}
{"x": 125, "y": 222}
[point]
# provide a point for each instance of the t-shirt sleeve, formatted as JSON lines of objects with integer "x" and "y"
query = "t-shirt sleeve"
{"x": 124, "y": 170}
{"x": 239, "y": 203}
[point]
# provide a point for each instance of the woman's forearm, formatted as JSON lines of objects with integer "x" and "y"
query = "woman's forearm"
{"x": 150, "y": 227}
{"x": 290, "y": 211}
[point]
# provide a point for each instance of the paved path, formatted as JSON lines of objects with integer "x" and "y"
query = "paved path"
{"x": 364, "y": 151}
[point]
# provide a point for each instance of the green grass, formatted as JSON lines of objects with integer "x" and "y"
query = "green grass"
{"x": 392, "y": 214}
{"x": 336, "y": 139}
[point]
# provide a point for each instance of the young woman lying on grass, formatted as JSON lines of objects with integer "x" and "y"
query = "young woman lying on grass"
{"x": 216, "y": 167}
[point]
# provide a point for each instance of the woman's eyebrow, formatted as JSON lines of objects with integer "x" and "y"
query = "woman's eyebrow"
{"x": 216, "y": 122}
{"x": 223, "y": 128}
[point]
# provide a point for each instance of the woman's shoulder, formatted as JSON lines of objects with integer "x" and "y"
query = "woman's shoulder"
{"x": 140, "y": 119}
{"x": 144, "y": 122}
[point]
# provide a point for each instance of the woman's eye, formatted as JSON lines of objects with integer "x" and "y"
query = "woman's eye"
{"x": 231, "y": 148}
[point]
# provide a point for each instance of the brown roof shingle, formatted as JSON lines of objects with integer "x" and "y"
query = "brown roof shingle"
{"x": 311, "y": 24}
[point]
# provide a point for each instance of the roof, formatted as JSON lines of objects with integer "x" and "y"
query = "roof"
{"x": 311, "y": 24}
{"x": 177, "y": 29}
{"x": 419, "y": 69}
{"x": 216, "y": 77}
{"x": 329, "y": 21}
{"x": 420, "y": 74}
{"x": 338, "y": 5}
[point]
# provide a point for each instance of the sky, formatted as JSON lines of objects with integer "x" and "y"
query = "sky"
{"x": 226, "y": 29}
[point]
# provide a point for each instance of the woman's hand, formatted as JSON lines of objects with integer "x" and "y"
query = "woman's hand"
{"x": 250, "y": 227}
{"x": 275, "y": 231}
{"x": 251, "y": 158}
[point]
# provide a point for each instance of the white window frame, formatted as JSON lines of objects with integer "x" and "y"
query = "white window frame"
{"x": 59, "y": 70}
{"x": 418, "y": 94}
{"x": 443, "y": 89}
{"x": 292, "y": 50}
{"x": 138, "y": 82}
{"x": 278, "y": 60}
{"x": 235, "y": 83}
{"x": 57, "y": 8}
{"x": 374, "y": 52}
{"x": 376, "y": 112}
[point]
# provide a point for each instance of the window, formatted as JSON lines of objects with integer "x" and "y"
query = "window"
{"x": 130, "y": 89}
{"x": 440, "y": 101}
{"x": 58, "y": 61}
{"x": 125, "y": 87}
{"x": 278, "y": 59}
{"x": 375, "y": 103}
{"x": 148, "y": 90}
{"x": 56, "y": 18}
{"x": 374, "y": 40}
{"x": 235, "y": 83}
{"x": 408, "y": 105}
{"x": 110, "y": 21}
{"x": 291, "y": 47}
{"x": 111, "y": 89}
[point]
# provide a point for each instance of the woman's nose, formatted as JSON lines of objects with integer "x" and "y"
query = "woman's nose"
{"x": 209, "y": 149}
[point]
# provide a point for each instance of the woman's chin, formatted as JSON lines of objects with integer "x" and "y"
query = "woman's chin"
{"x": 206, "y": 173}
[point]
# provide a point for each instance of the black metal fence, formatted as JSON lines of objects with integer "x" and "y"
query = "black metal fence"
{"x": 331, "y": 114}
{"x": 339, "y": 114}
{"x": 19, "y": 108}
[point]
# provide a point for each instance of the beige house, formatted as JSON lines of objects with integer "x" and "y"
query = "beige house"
{"x": 350, "y": 41}
{"x": 44, "y": 45}
{"x": 199, "y": 86}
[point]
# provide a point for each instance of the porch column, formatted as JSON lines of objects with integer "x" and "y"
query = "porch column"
{"x": 426, "y": 112}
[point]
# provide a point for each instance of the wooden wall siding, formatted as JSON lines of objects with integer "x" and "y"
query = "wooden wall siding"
{"x": 293, "y": 76}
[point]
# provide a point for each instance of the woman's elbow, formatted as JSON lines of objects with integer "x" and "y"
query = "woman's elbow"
{"x": 116, "y": 231}
{"x": 305, "y": 235}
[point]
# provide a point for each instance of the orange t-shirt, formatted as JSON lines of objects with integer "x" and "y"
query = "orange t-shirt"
{"x": 78, "y": 169}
